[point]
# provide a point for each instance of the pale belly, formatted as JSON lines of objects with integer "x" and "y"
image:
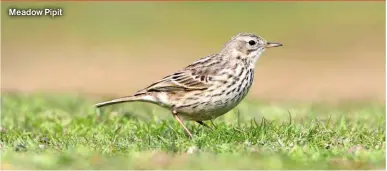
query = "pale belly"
{"x": 204, "y": 113}
{"x": 211, "y": 108}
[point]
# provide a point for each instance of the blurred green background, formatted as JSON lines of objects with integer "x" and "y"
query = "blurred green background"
{"x": 332, "y": 51}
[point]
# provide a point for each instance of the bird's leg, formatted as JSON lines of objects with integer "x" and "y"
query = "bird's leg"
{"x": 181, "y": 123}
{"x": 213, "y": 124}
{"x": 204, "y": 124}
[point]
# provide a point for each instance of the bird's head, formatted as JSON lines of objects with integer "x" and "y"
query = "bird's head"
{"x": 248, "y": 45}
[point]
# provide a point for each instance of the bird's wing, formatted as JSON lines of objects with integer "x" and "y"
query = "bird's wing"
{"x": 196, "y": 76}
{"x": 184, "y": 80}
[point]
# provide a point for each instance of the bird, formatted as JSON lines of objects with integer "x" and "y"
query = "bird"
{"x": 209, "y": 87}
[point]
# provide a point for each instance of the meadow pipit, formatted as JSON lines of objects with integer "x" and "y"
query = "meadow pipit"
{"x": 209, "y": 87}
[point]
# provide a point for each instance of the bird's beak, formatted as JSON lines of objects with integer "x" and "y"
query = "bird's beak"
{"x": 272, "y": 44}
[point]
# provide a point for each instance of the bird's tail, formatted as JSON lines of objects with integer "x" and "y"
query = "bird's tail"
{"x": 119, "y": 100}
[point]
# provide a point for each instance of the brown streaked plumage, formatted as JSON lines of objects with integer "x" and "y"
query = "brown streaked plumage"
{"x": 209, "y": 87}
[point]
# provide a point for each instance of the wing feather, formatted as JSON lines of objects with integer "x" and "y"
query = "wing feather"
{"x": 196, "y": 76}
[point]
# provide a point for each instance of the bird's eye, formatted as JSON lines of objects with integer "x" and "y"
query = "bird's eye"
{"x": 252, "y": 42}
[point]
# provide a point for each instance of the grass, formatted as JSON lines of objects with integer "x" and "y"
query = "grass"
{"x": 41, "y": 131}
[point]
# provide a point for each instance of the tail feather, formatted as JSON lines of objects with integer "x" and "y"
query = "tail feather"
{"x": 118, "y": 100}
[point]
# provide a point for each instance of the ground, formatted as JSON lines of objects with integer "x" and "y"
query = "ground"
{"x": 65, "y": 132}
